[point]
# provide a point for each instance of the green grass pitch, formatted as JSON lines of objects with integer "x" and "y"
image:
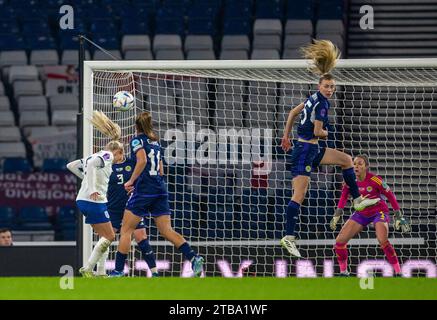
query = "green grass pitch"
{"x": 218, "y": 288}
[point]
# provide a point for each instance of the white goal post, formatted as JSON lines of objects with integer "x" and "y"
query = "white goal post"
{"x": 220, "y": 123}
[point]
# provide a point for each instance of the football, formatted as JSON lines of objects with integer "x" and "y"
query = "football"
{"x": 123, "y": 101}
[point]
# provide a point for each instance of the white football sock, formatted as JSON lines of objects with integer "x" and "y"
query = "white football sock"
{"x": 97, "y": 253}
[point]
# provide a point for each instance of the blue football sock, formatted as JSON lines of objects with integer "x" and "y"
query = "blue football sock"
{"x": 187, "y": 251}
{"x": 350, "y": 179}
{"x": 148, "y": 254}
{"x": 120, "y": 259}
{"x": 292, "y": 217}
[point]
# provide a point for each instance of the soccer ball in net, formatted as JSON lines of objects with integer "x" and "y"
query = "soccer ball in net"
{"x": 123, "y": 101}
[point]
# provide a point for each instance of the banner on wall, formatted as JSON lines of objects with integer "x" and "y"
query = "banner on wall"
{"x": 61, "y": 145}
{"x": 47, "y": 190}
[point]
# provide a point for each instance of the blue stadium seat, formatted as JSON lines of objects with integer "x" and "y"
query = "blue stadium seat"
{"x": 33, "y": 218}
{"x": 9, "y": 26}
{"x": 12, "y": 42}
{"x": 66, "y": 215}
{"x": 35, "y": 42}
{"x": 170, "y": 26}
{"x": 11, "y": 165}
{"x": 197, "y": 26}
{"x": 54, "y": 165}
{"x": 208, "y": 10}
{"x": 107, "y": 41}
{"x": 7, "y": 217}
{"x": 300, "y": 9}
{"x": 135, "y": 26}
{"x": 32, "y": 27}
{"x": 238, "y": 9}
{"x": 103, "y": 26}
{"x": 269, "y": 9}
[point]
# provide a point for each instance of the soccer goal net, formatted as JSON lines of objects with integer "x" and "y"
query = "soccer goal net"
{"x": 220, "y": 124}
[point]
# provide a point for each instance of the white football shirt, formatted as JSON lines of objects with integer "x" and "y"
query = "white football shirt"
{"x": 97, "y": 169}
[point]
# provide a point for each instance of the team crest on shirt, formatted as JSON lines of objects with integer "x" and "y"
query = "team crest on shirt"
{"x": 308, "y": 168}
{"x": 106, "y": 214}
{"x": 323, "y": 112}
{"x": 128, "y": 168}
{"x": 369, "y": 189}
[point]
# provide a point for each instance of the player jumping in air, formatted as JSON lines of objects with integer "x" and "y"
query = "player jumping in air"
{"x": 370, "y": 185}
{"x": 306, "y": 154}
{"x": 117, "y": 198}
{"x": 149, "y": 197}
{"x": 91, "y": 200}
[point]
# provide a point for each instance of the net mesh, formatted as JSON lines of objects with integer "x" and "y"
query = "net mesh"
{"x": 229, "y": 181}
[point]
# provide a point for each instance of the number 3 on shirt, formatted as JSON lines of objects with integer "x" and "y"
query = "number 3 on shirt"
{"x": 154, "y": 162}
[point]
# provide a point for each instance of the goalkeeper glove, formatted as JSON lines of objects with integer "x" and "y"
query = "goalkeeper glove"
{"x": 401, "y": 223}
{"x": 335, "y": 219}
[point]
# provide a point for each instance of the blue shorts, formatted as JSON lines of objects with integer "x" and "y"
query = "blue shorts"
{"x": 94, "y": 212}
{"x": 117, "y": 217}
{"x": 305, "y": 157}
{"x": 154, "y": 205}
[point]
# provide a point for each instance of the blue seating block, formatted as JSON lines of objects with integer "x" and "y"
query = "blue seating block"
{"x": 16, "y": 165}
{"x": 7, "y": 217}
{"x": 54, "y": 165}
{"x": 33, "y": 218}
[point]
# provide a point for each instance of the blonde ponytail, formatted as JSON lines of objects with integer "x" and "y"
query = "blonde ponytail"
{"x": 105, "y": 125}
{"x": 323, "y": 55}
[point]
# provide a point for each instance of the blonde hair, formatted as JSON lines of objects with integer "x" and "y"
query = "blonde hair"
{"x": 144, "y": 125}
{"x": 323, "y": 55}
{"x": 114, "y": 145}
{"x": 105, "y": 125}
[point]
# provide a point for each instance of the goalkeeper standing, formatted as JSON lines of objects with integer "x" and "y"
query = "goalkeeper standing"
{"x": 370, "y": 185}
{"x": 306, "y": 153}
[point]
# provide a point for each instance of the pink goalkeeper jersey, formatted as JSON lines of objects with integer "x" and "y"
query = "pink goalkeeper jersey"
{"x": 373, "y": 187}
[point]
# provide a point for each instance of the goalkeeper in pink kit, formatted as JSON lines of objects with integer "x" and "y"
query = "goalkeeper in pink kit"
{"x": 370, "y": 186}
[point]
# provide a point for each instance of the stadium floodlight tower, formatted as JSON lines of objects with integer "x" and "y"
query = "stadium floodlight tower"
{"x": 220, "y": 123}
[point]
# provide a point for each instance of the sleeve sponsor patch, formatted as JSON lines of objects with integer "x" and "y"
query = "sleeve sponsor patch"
{"x": 106, "y": 156}
{"x": 136, "y": 145}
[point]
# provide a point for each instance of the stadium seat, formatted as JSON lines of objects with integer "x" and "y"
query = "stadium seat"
{"x": 269, "y": 9}
{"x": 235, "y": 42}
{"x": 100, "y": 55}
{"x": 299, "y": 26}
{"x": 13, "y": 58}
{"x": 7, "y": 217}
{"x": 170, "y": 26}
{"x": 234, "y": 55}
{"x": 18, "y": 164}
{"x": 135, "y": 42}
{"x": 202, "y": 26}
{"x": 44, "y": 57}
{"x": 33, "y": 218}
{"x": 64, "y": 117}
{"x": 71, "y": 57}
{"x": 107, "y": 41}
{"x": 10, "y": 134}
{"x": 267, "y": 27}
{"x": 26, "y": 103}
{"x": 34, "y": 118}
{"x": 296, "y": 41}
{"x": 169, "y": 55}
{"x": 330, "y": 26}
{"x": 265, "y": 54}
{"x": 64, "y": 102}
{"x": 54, "y": 165}
{"x": 138, "y": 55}
{"x": 27, "y": 88}
{"x": 267, "y": 42}
{"x": 162, "y": 109}
{"x": 167, "y": 42}
{"x": 238, "y": 9}
{"x": 7, "y": 118}
{"x": 200, "y": 55}
{"x": 2, "y": 88}
{"x": 237, "y": 26}
{"x": 223, "y": 118}
{"x": 5, "y": 105}
{"x": 262, "y": 88}
{"x": 198, "y": 42}
{"x": 12, "y": 149}
{"x": 17, "y": 73}
{"x": 292, "y": 54}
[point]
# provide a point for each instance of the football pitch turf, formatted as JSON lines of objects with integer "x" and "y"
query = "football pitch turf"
{"x": 217, "y": 288}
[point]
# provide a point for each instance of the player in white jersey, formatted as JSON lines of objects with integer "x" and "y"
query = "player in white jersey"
{"x": 91, "y": 200}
